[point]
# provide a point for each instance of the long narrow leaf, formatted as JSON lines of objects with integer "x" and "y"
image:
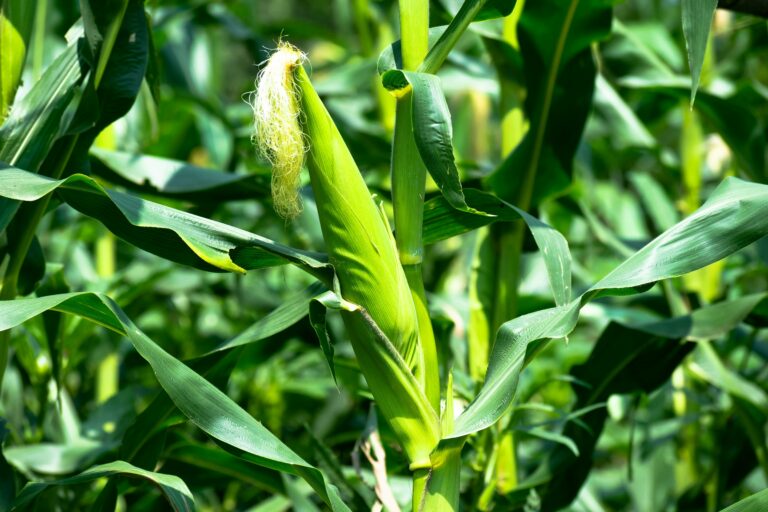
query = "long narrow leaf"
{"x": 735, "y": 216}
{"x": 200, "y": 401}
{"x": 697, "y": 20}
{"x": 174, "y": 489}
{"x": 172, "y": 234}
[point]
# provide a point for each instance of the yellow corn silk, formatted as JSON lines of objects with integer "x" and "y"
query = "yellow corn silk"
{"x": 361, "y": 248}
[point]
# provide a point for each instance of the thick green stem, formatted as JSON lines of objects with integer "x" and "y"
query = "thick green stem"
{"x": 414, "y": 32}
{"x": 408, "y": 181}
{"x": 420, "y": 480}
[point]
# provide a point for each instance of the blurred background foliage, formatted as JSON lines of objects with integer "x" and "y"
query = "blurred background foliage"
{"x": 697, "y": 441}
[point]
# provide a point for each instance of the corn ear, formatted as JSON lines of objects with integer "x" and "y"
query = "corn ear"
{"x": 384, "y": 332}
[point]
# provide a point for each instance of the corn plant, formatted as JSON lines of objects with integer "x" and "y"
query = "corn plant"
{"x": 454, "y": 254}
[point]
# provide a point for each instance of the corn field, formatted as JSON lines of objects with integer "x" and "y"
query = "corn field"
{"x": 384, "y": 255}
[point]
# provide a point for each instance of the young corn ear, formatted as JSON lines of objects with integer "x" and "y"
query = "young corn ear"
{"x": 360, "y": 247}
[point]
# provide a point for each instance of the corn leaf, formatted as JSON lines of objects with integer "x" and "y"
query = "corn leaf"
{"x": 216, "y": 366}
{"x": 442, "y": 39}
{"x": 708, "y": 366}
{"x": 205, "y": 407}
{"x": 101, "y": 24}
{"x": 555, "y": 38}
{"x": 626, "y": 360}
{"x": 442, "y": 221}
{"x": 471, "y": 10}
{"x": 169, "y": 233}
{"x": 755, "y": 503}
{"x": 432, "y": 131}
{"x": 56, "y": 458}
{"x": 493, "y": 9}
{"x": 211, "y": 459}
{"x": 175, "y": 490}
{"x": 175, "y": 178}
{"x": 731, "y": 117}
{"x": 287, "y": 314}
{"x": 697, "y": 21}
{"x": 735, "y": 216}
{"x": 118, "y": 41}
{"x": 623, "y": 361}
{"x": 627, "y": 129}
{"x": 28, "y": 134}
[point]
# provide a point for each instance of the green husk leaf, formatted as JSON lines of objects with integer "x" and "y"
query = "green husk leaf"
{"x": 15, "y": 28}
{"x": 397, "y": 392}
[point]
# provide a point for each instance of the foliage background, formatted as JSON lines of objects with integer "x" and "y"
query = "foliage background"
{"x": 645, "y": 161}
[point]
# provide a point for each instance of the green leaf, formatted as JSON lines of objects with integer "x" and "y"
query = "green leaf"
{"x": 731, "y": 117}
{"x": 623, "y": 361}
{"x": 56, "y": 459}
{"x": 207, "y": 407}
{"x": 15, "y": 28}
{"x": 175, "y": 178}
{"x": 555, "y": 38}
{"x": 442, "y": 221}
{"x": 101, "y": 24}
{"x": 551, "y": 436}
{"x": 654, "y": 198}
{"x": 758, "y": 502}
{"x": 287, "y": 314}
{"x": 432, "y": 131}
{"x": 735, "y": 216}
{"x": 494, "y": 9}
{"x": 216, "y": 367}
{"x": 118, "y": 38}
{"x": 28, "y": 134}
{"x": 175, "y": 490}
{"x": 213, "y": 460}
{"x": 471, "y": 10}
{"x": 626, "y": 128}
{"x": 317, "y": 315}
{"x": 627, "y": 360}
{"x": 697, "y": 21}
{"x": 708, "y": 366}
{"x": 169, "y": 233}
